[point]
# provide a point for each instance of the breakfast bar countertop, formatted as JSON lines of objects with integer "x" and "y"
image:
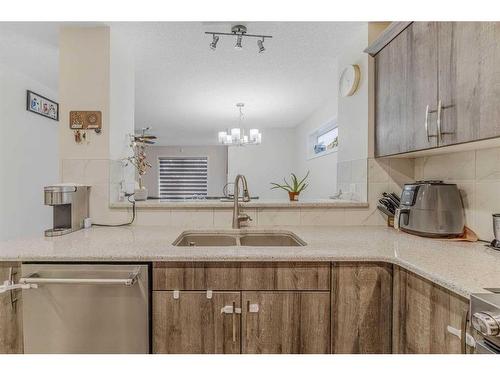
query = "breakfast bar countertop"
{"x": 461, "y": 267}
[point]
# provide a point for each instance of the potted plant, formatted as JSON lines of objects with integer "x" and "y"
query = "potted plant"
{"x": 294, "y": 188}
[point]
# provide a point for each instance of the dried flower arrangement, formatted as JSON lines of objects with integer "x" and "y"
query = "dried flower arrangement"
{"x": 138, "y": 144}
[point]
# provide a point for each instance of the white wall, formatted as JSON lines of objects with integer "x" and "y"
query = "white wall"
{"x": 268, "y": 162}
{"x": 353, "y": 120}
{"x": 323, "y": 169}
{"x": 28, "y": 157}
{"x": 217, "y": 165}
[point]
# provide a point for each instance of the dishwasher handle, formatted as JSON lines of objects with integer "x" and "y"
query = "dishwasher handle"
{"x": 35, "y": 280}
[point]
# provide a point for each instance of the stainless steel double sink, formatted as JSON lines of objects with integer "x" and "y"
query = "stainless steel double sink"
{"x": 242, "y": 237}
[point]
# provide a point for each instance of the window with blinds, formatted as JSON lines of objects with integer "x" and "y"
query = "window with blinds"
{"x": 182, "y": 177}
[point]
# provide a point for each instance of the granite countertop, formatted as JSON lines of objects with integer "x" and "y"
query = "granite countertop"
{"x": 462, "y": 267}
{"x": 257, "y": 203}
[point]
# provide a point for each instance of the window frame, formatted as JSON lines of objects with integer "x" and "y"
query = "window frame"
{"x": 312, "y": 139}
{"x": 202, "y": 196}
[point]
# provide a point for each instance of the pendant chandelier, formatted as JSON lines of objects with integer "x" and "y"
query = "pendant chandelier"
{"x": 237, "y": 136}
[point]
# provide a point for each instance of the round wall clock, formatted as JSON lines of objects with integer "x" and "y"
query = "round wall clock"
{"x": 349, "y": 80}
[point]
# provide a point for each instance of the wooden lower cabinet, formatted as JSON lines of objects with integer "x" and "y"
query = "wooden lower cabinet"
{"x": 365, "y": 308}
{"x": 361, "y": 308}
{"x": 286, "y": 322}
{"x": 422, "y": 313}
{"x": 194, "y": 324}
{"x": 11, "y": 333}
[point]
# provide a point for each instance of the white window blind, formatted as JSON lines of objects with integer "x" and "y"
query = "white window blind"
{"x": 182, "y": 177}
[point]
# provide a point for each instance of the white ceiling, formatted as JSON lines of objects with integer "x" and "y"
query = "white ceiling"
{"x": 185, "y": 89}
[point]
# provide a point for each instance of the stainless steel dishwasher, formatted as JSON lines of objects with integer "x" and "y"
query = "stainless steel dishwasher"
{"x": 86, "y": 308}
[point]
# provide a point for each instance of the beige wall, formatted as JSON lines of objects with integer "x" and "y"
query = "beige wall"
{"x": 477, "y": 174}
{"x": 85, "y": 56}
{"x": 84, "y": 84}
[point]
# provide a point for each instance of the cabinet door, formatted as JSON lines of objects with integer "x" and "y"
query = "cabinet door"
{"x": 390, "y": 97}
{"x": 422, "y": 313}
{"x": 421, "y": 85}
{"x": 405, "y": 85}
{"x": 194, "y": 324}
{"x": 361, "y": 308}
{"x": 469, "y": 80}
{"x": 286, "y": 322}
{"x": 11, "y": 335}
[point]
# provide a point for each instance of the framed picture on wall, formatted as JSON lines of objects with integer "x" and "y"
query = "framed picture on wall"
{"x": 41, "y": 105}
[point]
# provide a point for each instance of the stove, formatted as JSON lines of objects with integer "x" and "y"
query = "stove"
{"x": 485, "y": 312}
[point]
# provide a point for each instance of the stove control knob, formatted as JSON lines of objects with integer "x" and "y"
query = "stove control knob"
{"x": 486, "y": 323}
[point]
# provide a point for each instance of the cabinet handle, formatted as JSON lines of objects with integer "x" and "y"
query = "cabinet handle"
{"x": 234, "y": 321}
{"x": 426, "y": 124}
{"x": 233, "y": 310}
{"x": 438, "y": 121}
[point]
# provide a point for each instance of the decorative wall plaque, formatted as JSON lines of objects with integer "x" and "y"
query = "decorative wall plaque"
{"x": 40, "y": 105}
{"x": 85, "y": 120}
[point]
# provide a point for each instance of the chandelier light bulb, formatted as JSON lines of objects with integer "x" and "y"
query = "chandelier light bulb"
{"x": 222, "y": 137}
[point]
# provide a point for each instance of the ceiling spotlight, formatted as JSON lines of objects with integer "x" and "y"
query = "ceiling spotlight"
{"x": 213, "y": 45}
{"x": 238, "y": 42}
{"x": 260, "y": 44}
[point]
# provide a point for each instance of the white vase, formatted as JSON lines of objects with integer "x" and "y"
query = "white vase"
{"x": 141, "y": 194}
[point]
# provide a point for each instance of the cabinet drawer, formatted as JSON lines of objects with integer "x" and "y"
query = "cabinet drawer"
{"x": 241, "y": 276}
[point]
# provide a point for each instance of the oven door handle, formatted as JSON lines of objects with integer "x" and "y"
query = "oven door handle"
{"x": 35, "y": 280}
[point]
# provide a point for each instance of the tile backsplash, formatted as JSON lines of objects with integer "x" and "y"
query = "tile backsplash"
{"x": 477, "y": 174}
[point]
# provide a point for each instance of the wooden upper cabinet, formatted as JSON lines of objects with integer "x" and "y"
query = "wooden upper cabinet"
{"x": 406, "y": 87}
{"x": 421, "y": 86}
{"x": 390, "y": 100}
{"x": 469, "y": 80}
{"x": 451, "y": 68}
{"x": 286, "y": 322}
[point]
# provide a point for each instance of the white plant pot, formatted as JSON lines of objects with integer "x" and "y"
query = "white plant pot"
{"x": 141, "y": 194}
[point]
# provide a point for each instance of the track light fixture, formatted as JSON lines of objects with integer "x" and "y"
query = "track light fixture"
{"x": 215, "y": 40}
{"x": 240, "y": 32}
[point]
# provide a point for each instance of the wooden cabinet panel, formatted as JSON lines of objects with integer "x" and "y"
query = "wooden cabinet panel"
{"x": 194, "y": 324}
{"x": 390, "y": 100}
{"x": 469, "y": 80}
{"x": 285, "y": 276}
{"x": 286, "y": 322}
{"x": 196, "y": 276}
{"x": 422, "y": 313}
{"x": 421, "y": 90}
{"x": 241, "y": 276}
{"x": 361, "y": 308}
{"x": 405, "y": 84}
{"x": 11, "y": 334}
{"x": 456, "y": 64}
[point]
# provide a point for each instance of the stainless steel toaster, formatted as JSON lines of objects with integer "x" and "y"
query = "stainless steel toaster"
{"x": 431, "y": 209}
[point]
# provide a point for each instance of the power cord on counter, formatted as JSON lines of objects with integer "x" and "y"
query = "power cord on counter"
{"x": 124, "y": 224}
